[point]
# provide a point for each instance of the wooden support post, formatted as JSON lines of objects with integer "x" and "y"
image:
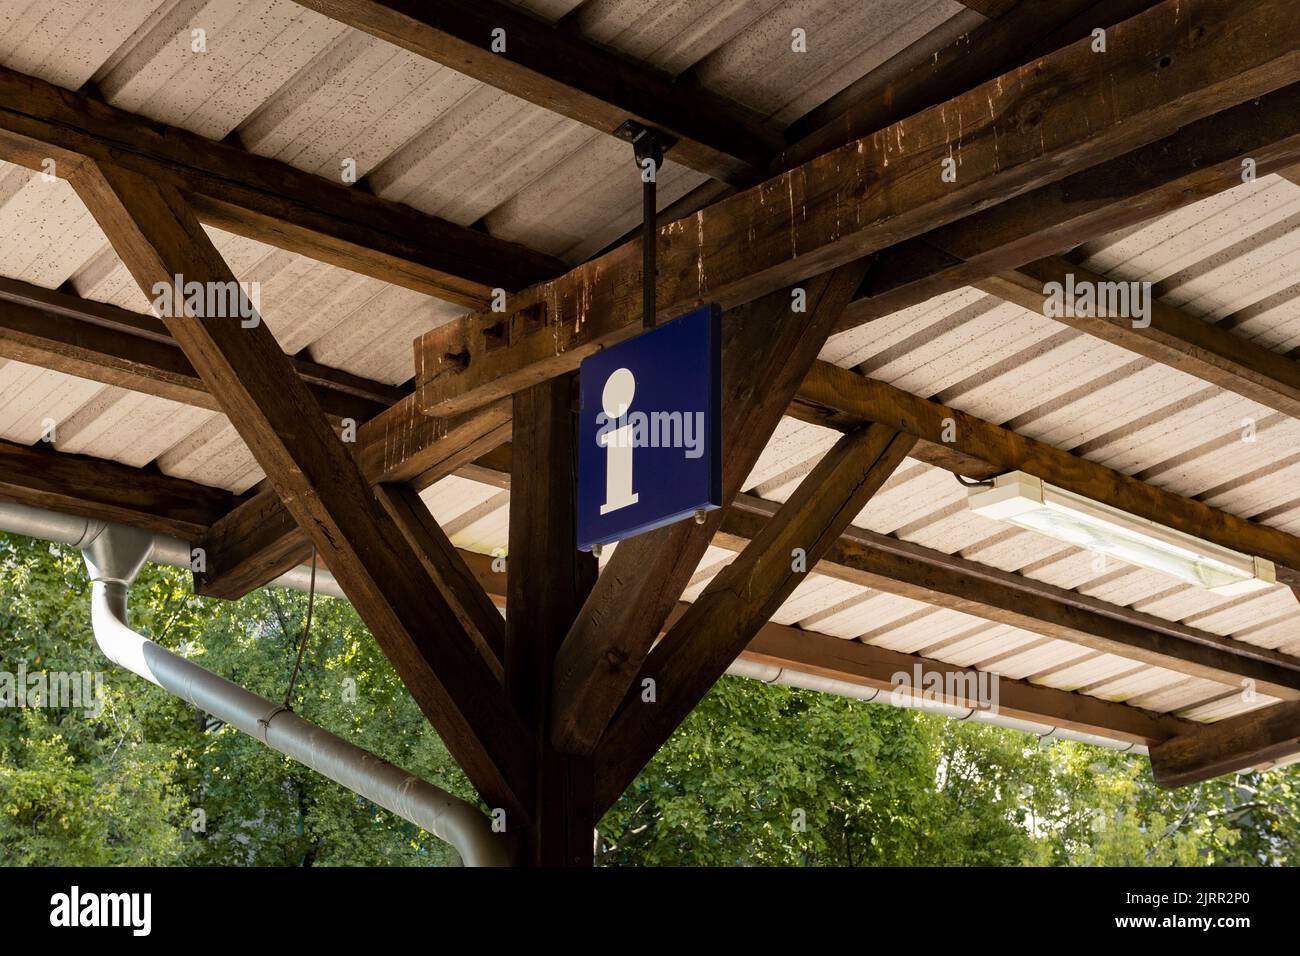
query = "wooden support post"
{"x": 767, "y": 348}
{"x": 715, "y": 629}
{"x": 153, "y": 229}
{"x": 549, "y": 579}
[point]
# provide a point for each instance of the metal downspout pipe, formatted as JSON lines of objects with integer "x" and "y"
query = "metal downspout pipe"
{"x": 114, "y": 555}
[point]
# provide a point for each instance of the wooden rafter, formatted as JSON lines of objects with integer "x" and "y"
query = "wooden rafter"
{"x": 735, "y": 605}
{"x": 884, "y": 563}
{"x": 1016, "y": 133}
{"x": 559, "y": 70}
{"x": 264, "y": 199}
{"x": 158, "y": 237}
{"x": 971, "y": 446}
{"x": 41, "y": 477}
{"x": 260, "y": 540}
{"x": 1248, "y": 740}
{"x": 1200, "y": 160}
{"x": 767, "y": 348}
{"x": 104, "y": 343}
{"x": 1172, "y": 338}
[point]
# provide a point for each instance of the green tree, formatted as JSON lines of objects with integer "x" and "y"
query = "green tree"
{"x": 757, "y": 775}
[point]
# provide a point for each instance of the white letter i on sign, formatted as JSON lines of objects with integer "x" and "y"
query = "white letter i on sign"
{"x": 616, "y": 398}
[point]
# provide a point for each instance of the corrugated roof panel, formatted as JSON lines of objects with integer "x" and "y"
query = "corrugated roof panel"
{"x": 66, "y": 41}
{"x": 212, "y": 81}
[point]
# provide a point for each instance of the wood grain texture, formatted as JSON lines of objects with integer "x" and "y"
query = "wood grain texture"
{"x": 767, "y": 348}
{"x": 265, "y": 199}
{"x": 558, "y": 70}
{"x": 1173, "y": 65}
{"x": 850, "y": 394}
{"x": 1235, "y": 743}
{"x": 258, "y": 541}
{"x": 103, "y": 343}
{"x": 1172, "y": 338}
{"x": 744, "y": 595}
{"x": 157, "y": 236}
{"x": 548, "y": 581}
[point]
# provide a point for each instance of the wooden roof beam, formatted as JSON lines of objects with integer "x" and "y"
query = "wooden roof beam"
{"x": 157, "y": 236}
{"x": 265, "y": 199}
{"x": 1238, "y": 743}
{"x": 735, "y": 605}
{"x": 1172, "y": 337}
{"x": 840, "y": 397}
{"x": 104, "y": 343}
{"x": 560, "y": 71}
{"x": 1066, "y": 112}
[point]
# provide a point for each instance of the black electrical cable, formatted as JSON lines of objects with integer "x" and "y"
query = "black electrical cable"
{"x": 306, "y": 632}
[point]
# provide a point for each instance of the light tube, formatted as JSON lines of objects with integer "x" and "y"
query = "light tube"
{"x": 1031, "y": 503}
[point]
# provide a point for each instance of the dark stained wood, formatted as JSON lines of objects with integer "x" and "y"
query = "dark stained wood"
{"x": 884, "y": 563}
{"x": 560, "y": 71}
{"x": 972, "y": 58}
{"x": 767, "y": 348}
{"x": 157, "y": 236}
{"x": 1200, "y": 160}
{"x": 260, "y": 540}
{"x": 870, "y": 666}
{"x": 1235, "y": 743}
{"x": 107, "y": 491}
{"x": 992, "y": 8}
{"x": 1173, "y": 338}
{"x": 265, "y": 199}
{"x": 458, "y": 585}
{"x": 851, "y": 394}
{"x": 714, "y": 630}
{"x": 1028, "y": 128}
{"x": 548, "y": 581}
{"x": 106, "y": 344}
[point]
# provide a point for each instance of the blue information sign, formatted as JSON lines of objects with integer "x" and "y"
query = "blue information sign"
{"x": 649, "y": 430}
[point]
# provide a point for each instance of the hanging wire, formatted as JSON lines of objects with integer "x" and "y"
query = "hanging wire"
{"x": 306, "y": 632}
{"x": 971, "y": 483}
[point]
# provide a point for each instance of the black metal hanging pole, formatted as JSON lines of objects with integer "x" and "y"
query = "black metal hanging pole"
{"x": 649, "y": 271}
{"x": 647, "y": 144}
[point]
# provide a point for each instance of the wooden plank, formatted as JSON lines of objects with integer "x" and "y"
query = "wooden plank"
{"x": 103, "y": 343}
{"x": 558, "y": 70}
{"x": 1230, "y": 745}
{"x": 766, "y": 350}
{"x": 258, "y": 541}
{"x": 107, "y": 491}
{"x": 972, "y": 58}
{"x": 313, "y": 472}
{"x": 456, "y": 583}
{"x": 742, "y": 597}
{"x": 870, "y": 666}
{"x": 1199, "y": 161}
{"x": 1028, "y": 128}
{"x": 1173, "y": 337}
{"x": 548, "y": 581}
{"x": 884, "y": 563}
{"x": 849, "y": 394}
{"x": 265, "y": 199}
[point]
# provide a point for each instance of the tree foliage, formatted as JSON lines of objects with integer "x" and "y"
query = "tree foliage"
{"x": 757, "y": 775}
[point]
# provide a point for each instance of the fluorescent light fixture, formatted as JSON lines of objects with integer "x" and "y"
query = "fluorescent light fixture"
{"x": 1031, "y": 503}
